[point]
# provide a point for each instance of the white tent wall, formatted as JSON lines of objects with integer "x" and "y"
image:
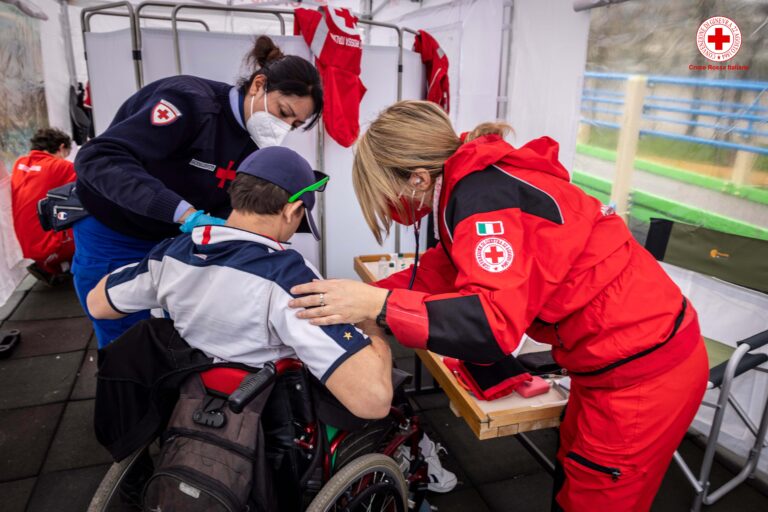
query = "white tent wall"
{"x": 55, "y": 71}
{"x": 469, "y": 31}
{"x": 547, "y": 73}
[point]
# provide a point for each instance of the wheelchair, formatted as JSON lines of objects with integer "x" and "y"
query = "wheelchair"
{"x": 354, "y": 465}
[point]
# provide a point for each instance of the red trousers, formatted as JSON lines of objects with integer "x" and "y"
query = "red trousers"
{"x": 620, "y": 432}
{"x": 62, "y": 254}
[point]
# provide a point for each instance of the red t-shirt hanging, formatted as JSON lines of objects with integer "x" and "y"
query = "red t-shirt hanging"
{"x": 436, "y": 62}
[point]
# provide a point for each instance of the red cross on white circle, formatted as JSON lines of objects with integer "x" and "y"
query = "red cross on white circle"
{"x": 718, "y": 38}
{"x": 494, "y": 254}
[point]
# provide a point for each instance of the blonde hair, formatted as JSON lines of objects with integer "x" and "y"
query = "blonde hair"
{"x": 407, "y": 136}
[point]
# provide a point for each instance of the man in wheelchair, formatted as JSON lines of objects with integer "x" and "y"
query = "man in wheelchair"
{"x": 226, "y": 289}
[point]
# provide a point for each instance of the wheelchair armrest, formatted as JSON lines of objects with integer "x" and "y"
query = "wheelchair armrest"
{"x": 756, "y": 341}
{"x": 251, "y": 386}
{"x": 748, "y": 362}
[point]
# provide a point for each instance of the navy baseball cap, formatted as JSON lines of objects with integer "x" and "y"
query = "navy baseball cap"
{"x": 290, "y": 171}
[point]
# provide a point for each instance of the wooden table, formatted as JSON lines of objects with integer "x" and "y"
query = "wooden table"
{"x": 506, "y": 416}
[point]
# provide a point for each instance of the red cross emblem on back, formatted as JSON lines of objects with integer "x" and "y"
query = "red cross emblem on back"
{"x": 718, "y": 38}
{"x": 225, "y": 175}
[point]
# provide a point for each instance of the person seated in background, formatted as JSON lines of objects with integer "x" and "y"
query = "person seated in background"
{"x": 226, "y": 287}
{"x": 43, "y": 169}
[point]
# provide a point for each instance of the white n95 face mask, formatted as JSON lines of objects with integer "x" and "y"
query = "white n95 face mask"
{"x": 264, "y": 128}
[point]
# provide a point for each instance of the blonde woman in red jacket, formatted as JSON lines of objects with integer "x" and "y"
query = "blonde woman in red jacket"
{"x": 524, "y": 251}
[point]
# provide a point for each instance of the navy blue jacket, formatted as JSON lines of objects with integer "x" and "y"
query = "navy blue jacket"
{"x": 133, "y": 176}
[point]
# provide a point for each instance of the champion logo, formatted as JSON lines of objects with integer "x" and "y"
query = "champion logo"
{"x": 164, "y": 113}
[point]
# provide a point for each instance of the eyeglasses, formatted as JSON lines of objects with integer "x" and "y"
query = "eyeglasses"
{"x": 318, "y": 186}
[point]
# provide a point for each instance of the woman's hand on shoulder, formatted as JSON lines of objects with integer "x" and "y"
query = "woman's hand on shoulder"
{"x": 338, "y": 301}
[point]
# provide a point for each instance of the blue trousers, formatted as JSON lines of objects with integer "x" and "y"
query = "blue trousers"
{"x": 98, "y": 251}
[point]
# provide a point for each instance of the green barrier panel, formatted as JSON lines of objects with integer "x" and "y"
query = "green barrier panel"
{"x": 754, "y": 194}
{"x": 645, "y": 206}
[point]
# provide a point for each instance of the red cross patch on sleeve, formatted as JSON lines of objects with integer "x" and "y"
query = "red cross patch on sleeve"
{"x": 164, "y": 113}
{"x": 494, "y": 254}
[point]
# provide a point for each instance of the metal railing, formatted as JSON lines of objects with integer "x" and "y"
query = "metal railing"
{"x": 85, "y": 24}
{"x": 599, "y": 100}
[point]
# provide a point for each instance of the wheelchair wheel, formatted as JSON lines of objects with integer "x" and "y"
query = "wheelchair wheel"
{"x": 362, "y": 442}
{"x": 370, "y": 483}
{"x": 107, "y": 498}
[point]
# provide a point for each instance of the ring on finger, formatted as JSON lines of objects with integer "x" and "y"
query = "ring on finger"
{"x": 322, "y": 299}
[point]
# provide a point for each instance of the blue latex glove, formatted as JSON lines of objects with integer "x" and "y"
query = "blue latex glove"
{"x": 200, "y": 219}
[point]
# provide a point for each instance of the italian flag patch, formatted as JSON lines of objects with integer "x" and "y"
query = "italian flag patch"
{"x": 490, "y": 228}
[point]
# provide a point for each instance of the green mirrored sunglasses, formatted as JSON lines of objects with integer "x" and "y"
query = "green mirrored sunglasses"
{"x": 317, "y": 186}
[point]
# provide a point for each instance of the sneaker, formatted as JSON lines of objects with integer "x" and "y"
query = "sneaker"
{"x": 440, "y": 479}
{"x": 41, "y": 275}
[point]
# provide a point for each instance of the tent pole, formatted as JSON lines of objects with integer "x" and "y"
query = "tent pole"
{"x": 502, "y": 100}
{"x": 69, "y": 50}
{"x": 320, "y": 160}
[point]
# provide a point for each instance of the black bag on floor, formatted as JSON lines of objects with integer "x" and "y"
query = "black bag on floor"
{"x": 212, "y": 460}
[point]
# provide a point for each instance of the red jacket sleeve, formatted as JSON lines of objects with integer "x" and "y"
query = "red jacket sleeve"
{"x": 503, "y": 279}
{"x": 65, "y": 173}
{"x": 436, "y": 274}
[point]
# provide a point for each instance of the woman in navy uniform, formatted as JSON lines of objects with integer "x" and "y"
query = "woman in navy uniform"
{"x": 169, "y": 155}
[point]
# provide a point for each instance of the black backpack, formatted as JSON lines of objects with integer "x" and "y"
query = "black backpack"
{"x": 211, "y": 460}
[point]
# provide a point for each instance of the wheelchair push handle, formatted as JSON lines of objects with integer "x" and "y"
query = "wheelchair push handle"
{"x": 756, "y": 341}
{"x": 251, "y": 386}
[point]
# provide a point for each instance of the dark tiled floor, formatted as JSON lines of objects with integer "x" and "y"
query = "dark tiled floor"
{"x": 16, "y": 494}
{"x": 47, "y": 303}
{"x": 50, "y": 461}
{"x": 51, "y": 336}
{"x": 66, "y": 491}
{"x": 26, "y": 436}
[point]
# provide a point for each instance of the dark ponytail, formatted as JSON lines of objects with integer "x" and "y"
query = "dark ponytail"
{"x": 289, "y": 74}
